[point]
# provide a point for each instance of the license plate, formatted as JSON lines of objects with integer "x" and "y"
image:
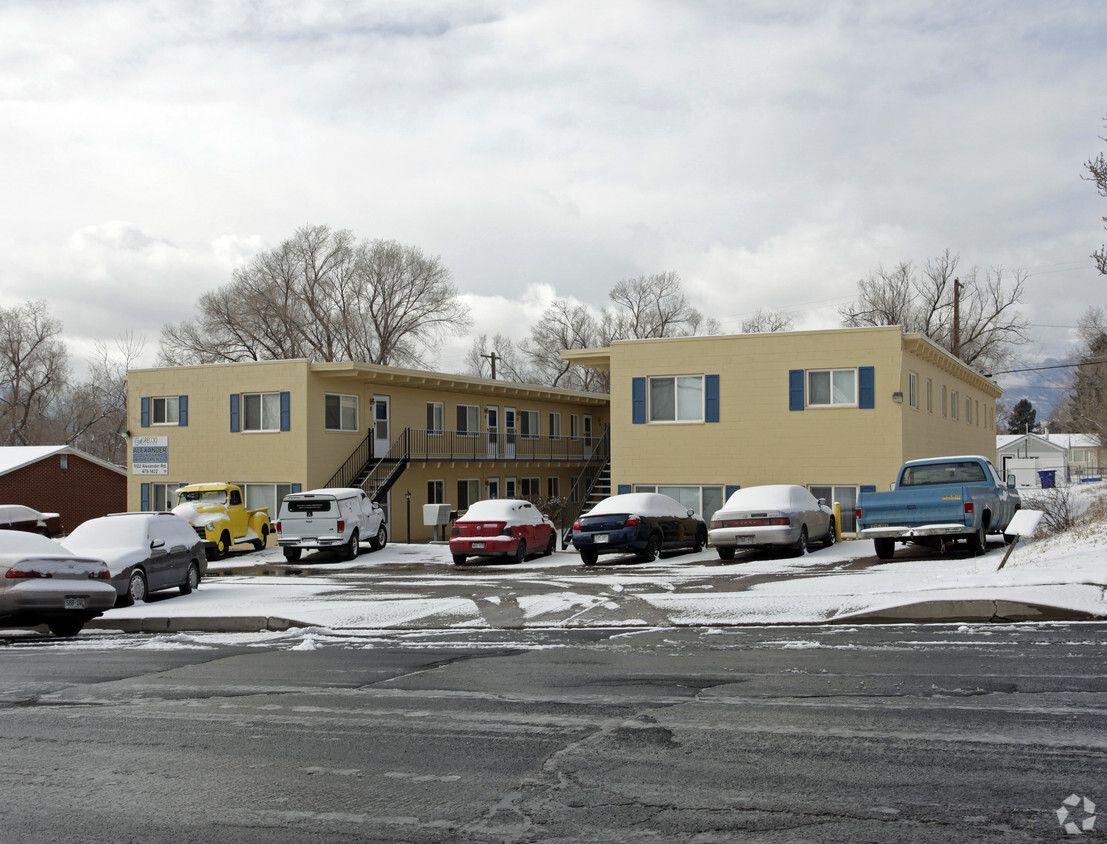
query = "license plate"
{"x": 477, "y": 545}
{"x": 76, "y": 603}
{"x": 743, "y": 540}
{"x": 600, "y": 538}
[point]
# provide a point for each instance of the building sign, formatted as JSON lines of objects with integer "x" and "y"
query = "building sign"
{"x": 150, "y": 456}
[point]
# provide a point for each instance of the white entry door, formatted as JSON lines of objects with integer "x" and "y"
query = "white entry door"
{"x": 492, "y": 423}
{"x": 382, "y": 425}
{"x": 510, "y": 432}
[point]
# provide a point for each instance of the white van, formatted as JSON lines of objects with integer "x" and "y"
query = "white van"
{"x": 329, "y": 518}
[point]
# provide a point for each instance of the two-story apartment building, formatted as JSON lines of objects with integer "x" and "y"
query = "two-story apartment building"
{"x": 276, "y": 427}
{"x": 836, "y": 411}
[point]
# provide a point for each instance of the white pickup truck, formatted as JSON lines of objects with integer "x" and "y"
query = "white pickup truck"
{"x": 335, "y": 518}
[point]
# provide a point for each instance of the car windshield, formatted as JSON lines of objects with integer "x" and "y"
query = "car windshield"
{"x": 206, "y": 496}
{"x": 109, "y": 533}
{"x": 954, "y": 472}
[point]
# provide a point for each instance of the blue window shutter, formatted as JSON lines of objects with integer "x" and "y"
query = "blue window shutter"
{"x": 866, "y": 387}
{"x": 795, "y": 389}
{"x": 145, "y": 405}
{"x": 731, "y": 489}
{"x": 234, "y": 413}
{"x": 295, "y": 487}
{"x": 286, "y": 411}
{"x": 711, "y": 398}
{"x": 182, "y": 411}
{"x": 638, "y": 400}
{"x": 868, "y": 487}
{"x": 624, "y": 489}
{"x": 144, "y": 497}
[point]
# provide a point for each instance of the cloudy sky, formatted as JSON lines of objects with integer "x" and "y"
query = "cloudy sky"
{"x": 770, "y": 152}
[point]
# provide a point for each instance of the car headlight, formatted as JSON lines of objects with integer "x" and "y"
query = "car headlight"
{"x": 210, "y": 525}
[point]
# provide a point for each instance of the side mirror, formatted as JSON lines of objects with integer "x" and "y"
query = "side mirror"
{"x": 822, "y": 502}
{"x": 1011, "y": 483}
{"x": 157, "y": 543}
{"x": 691, "y": 512}
{"x": 893, "y": 486}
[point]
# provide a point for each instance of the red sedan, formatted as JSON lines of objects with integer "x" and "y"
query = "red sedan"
{"x": 502, "y": 528}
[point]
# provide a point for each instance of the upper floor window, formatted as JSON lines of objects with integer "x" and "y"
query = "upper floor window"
{"x": 468, "y": 419}
{"x": 261, "y": 411}
{"x": 555, "y": 425}
{"x": 165, "y": 410}
{"x": 912, "y": 389}
{"x": 528, "y": 424}
{"x": 435, "y": 420}
{"x": 340, "y": 412}
{"x": 831, "y": 387}
{"x": 676, "y": 398}
{"x": 953, "y": 399}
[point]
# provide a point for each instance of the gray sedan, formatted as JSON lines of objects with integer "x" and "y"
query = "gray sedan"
{"x": 42, "y": 583}
{"x": 780, "y": 516}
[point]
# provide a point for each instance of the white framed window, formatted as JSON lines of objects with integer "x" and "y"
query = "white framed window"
{"x": 574, "y": 427}
{"x": 435, "y": 421}
{"x": 436, "y": 492}
{"x": 468, "y": 420}
{"x": 553, "y": 487}
{"x": 340, "y": 412}
{"x": 912, "y": 390}
{"x": 705, "y": 500}
{"x": 529, "y": 488}
{"x": 953, "y": 398}
{"x": 163, "y": 496}
{"x": 256, "y": 496}
{"x": 943, "y": 401}
{"x": 929, "y": 396}
{"x": 261, "y": 411}
{"x": 529, "y": 424}
{"x": 846, "y": 496}
{"x": 165, "y": 410}
{"x": 468, "y": 493}
{"x": 676, "y": 398}
{"x": 832, "y": 388}
{"x": 555, "y": 425}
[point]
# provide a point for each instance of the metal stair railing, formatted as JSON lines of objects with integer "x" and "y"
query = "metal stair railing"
{"x": 355, "y": 464}
{"x": 387, "y": 469}
{"x": 584, "y": 484}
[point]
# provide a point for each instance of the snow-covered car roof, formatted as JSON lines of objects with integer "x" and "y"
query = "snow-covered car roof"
{"x": 770, "y": 497}
{"x": 639, "y": 504}
{"x": 503, "y": 510}
{"x": 20, "y": 542}
{"x": 333, "y": 491}
{"x": 14, "y": 512}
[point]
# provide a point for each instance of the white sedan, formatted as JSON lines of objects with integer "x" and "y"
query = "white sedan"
{"x": 779, "y": 516}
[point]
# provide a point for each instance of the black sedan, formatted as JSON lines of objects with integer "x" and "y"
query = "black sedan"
{"x": 644, "y": 523}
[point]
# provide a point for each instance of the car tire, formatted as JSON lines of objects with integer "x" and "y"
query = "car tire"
{"x": 380, "y": 540}
{"x": 459, "y": 559}
{"x": 800, "y": 548}
{"x": 521, "y": 551}
{"x": 726, "y": 552}
{"x": 885, "y": 548}
{"x": 136, "y": 587}
{"x": 589, "y": 557}
{"x": 192, "y": 579}
{"x": 551, "y": 546}
{"x": 352, "y": 548}
{"x": 977, "y": 543}
{"x": 292, "y": 554}
{"x": 701, "y": 540}
{"x": 831, "y": 535}
{"x": 65, "y": 627}
{"x": 263, "y": 541}
{"x": 222, "y": 546}
{"x": 653, "y": 549}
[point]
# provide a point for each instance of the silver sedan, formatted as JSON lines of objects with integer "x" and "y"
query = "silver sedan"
{"x": 42, "y": 583}
{"x": 778, "y": 516}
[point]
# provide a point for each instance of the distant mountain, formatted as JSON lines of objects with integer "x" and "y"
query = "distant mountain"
{"x": 1042, "y": 388}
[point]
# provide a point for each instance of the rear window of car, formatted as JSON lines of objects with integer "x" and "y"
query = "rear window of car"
{"x": 309, "y": 505}
{"x": 959, "y": 472}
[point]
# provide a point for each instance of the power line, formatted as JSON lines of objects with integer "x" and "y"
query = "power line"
{"x": 1041, "y": 368}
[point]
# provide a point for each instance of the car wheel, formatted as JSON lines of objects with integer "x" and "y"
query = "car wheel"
{"x": 885, "y": 548}
{"x": 66, "y": 626}
{"x": 653, "y": 548}
{"x": 521, "y": 551}
{"x": 551, "y": 546}
{"x": 589, "y": 557}
{"x": 800, "y": 548}
{"x": 459, "y": 559}
{"x": 192, "y": 579}
{"x": 701, "y": 540}
{"x": 136, "y": 586}
{"x": 726, "y": 552}
{"x": 831, "y": 535}
{"x": 380, "y": 540}
{"x": 351, "y": 549}
{"x": 292, "y": 554}
{"x": 261, "y": 543}
{"x": 222, "y": 546}
{"x": 977, "y": 543}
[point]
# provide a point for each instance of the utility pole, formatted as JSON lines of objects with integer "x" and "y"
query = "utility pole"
{"x": 493, "y": 357}
{"x": 957, "y": 317}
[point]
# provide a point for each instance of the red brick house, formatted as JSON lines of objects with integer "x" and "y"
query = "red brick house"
{"x": 63, "y": 480}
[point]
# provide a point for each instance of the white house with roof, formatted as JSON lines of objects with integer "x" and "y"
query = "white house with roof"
{"x": 1071, "y": 457}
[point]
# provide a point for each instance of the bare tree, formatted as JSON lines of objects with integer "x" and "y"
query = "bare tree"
{"x": 564, "y": 325}
{"x": 1084, "y": 407}
{"x": 1097, "y": 172}
{"x": 988, "y": 328}
{"x": 767, "y": 322}
{"x": 509, "y": 364}
{"x": 324, "y": 296}
{"x": 34, "y": 369}
{"x": 652, "y": 306}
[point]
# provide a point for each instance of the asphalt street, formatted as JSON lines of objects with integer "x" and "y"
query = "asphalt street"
{"x": 875, "y": 733}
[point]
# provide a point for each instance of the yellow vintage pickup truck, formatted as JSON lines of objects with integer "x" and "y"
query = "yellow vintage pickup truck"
{"x": 217, "y": 513}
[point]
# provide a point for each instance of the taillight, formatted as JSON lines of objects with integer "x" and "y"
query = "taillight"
{"x": 969, "y": 509}
{"x": 23, "y": 574}
{"x": 576, "y": 525}
{"x": 736, "y": 523}
{"x": 455, "y": 531}
{"x": 277, "y": 525}
{"x": 505, "y": 530}
{"x": 632, "y": 521}
{"x": 857, "y": 512}
{"x": 341, "y": 526}
{"x": 101, "y": 574}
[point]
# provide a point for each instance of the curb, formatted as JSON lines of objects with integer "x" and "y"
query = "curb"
{"x": 970, "y": 611}
{"x": 198, "y": 624}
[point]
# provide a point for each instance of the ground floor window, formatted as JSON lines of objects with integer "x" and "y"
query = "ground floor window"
{"x": 163, "y": 496}
{"x": 529, "y": 488}
{"x": 846, "y": 496}
{"x": 264, "y": 495}
{"x": 468, "y": 492}
{"x": 553, "y": 487}
{"x": 705, "y": 500}
{"x": 436, "y": 492}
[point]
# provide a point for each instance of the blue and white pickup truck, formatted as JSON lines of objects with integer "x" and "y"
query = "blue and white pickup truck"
{"x": 938, "y": 501}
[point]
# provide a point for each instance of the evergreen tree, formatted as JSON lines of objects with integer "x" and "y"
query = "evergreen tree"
{"x": 1023, "y": 418}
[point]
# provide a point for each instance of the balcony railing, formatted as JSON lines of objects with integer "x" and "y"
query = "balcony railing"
{"x": 423, "y": 445}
